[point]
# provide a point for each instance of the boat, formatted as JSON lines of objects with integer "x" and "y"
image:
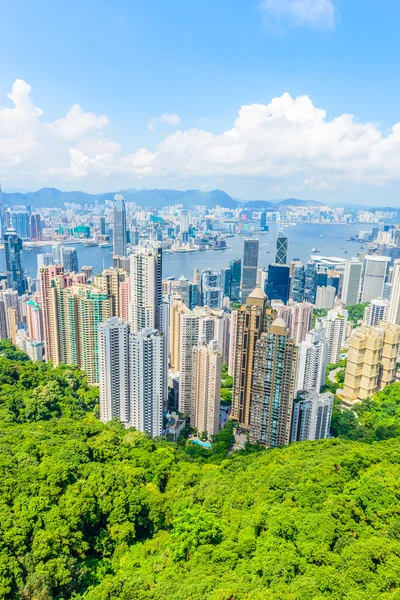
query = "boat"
{"x": 105, "y": 245}
{"x": 315, "y": 250}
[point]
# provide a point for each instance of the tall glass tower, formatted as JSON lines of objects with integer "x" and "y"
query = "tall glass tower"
{"x": 14, "y": 261}
{"x": 249, "y": 268}
{"x": 119, "y": 226}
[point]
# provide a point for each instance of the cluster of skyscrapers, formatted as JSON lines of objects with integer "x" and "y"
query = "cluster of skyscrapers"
{"x": 156, "y": 346}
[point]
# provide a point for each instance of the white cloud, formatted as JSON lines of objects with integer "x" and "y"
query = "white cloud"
{"x": 290, "y": 143}
{"x": 77, "y": 123}
{"x": 318, "y": 14}
{"x": 168, "y": 119}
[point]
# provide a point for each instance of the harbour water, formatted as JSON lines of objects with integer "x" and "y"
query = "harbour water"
{"x": 302, "y": 238}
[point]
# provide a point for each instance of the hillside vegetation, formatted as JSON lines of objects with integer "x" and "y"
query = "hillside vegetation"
{"x": 96, "y": 512}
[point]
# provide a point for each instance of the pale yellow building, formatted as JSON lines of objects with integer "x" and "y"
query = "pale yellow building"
{"x": 371, "y": 360}
{"x": 206, "y": 388}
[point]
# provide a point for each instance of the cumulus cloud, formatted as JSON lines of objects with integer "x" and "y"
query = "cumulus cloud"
{"x": 318, "y": 14}
{"x": 166, "y": 118}
{"x": 77, "y": 123}
{"x": 287, "y": 140}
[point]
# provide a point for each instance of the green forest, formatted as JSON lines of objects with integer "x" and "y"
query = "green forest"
{"x": 97, "y": 512}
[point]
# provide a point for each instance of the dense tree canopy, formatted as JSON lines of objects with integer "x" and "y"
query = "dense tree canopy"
{"x": 97, "y": 512}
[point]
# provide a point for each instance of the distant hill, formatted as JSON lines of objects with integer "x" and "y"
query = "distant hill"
{"x": 298, "y": 203}
{"x": 277, "y": 204}
{"x": 53, "y": 197}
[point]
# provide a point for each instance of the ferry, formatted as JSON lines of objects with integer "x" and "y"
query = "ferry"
{"x": 315, "y": 250}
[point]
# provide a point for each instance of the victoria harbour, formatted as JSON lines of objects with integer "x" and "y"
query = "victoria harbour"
{"x": 330, "y": 240}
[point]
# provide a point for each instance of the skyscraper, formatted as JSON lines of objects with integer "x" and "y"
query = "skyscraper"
{"x": 189, "y": 334}
{"x": 312, "y": 361}
{"x": 278, "y": 284}
{"x": 312, "y": 415}
{"x": 20, "y": 221}
{"x": 114, "y": 379}
{"x": 147, "y": 381}
{"x": 394, "y": 308}
{"x": 282, "y": 242}
{"x": 70, "y": 259}
{"x": 374, "y": 276}
{"x": 298, "y": 319}
{"x": 35, "y": 227}
{"x": 335, "y": 332}
{"x": 298, "y": 282}
{"x": 249, "y": 268}
{"x": 14, "y": 261}
{"x": 2, "y": 216}
{"x": 178, "y": 307}
{"x": 206, "y": 388}
{"x": 253, "y": 318}
{"x": 235, "y": 266}
{"x": 325, "y": 297}
{"x": 371, "y": 360}
{"x": 146, "y": 288}
{"x": 274, "y": 372}
{"x": 119, "y": 226}
{"x": 56, "y": 250}
{"x": 376, "y": 312}
{"x": 212, "y": 288}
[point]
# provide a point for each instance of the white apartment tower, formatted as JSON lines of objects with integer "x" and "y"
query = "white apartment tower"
{"x": 146, "y": 381}
{"x": 312, "y": 415}
{"x": 312, "y": 362}
{"x": 325, "y": 296}
{"x": 113, "y": 340}
{"x": 146, "y": 288}
{"x": 376, "y": 312}
{"x": 206, "y": 388}
{"x": 335, "y": 332}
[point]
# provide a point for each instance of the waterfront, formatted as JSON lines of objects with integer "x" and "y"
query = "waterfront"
{"x": 302, "y": 238}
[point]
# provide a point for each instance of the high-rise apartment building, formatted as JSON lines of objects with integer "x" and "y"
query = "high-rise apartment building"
{"x": 393, "y": 315}
{"x": 249, "y": 268}
{"x": 189, "y": 335}
{"x": 371, "y": 360}
{"x": 16, "y": 279}
{"x": 282, "y": 242}
{"x": 335, "y": 324}
{"x": 312, "y": 415}
{"x": 273, "y": 386}
{"x": 34, "y": 320}
{"x": 3, "y": 318}
{"x": 114, "y": 374}
{"x": 109, "y": 281}
{"x": 298, "y": 319}
{"x": 178, "y": 307}
{"x": 312, "y": 361}
{"x": 46, "y": 276}
{"x": 253, "y": 318}
{"x": 325, "y": 297}
{"x": 374, "y": 276}
{"x": 119, "y": 226}
{"x": 206, "y": 388}
{"x": 376, "y": 312}
{"x": 124, "y": 298}
{"x": 147, "y": 381}
{"x": 146, "y": 288}
{"x": 232, "y": 343}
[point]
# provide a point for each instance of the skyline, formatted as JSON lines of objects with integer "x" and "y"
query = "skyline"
{"x": 257, "y": 102}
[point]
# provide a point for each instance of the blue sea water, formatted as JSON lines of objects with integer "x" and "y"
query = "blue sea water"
{"x": 302, "y": 238}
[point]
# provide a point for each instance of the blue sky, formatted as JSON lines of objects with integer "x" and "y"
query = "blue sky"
{"x": 198, "y": 63}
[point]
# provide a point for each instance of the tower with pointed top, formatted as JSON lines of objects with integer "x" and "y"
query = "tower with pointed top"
{"x": 119, "y": 226}
{"x": 273, "y": 386}
{"x": 282, "y": 242}
{"x": 253, "y": 319}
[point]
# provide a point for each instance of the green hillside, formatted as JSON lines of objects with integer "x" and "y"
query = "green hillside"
{"x": 96, "y": 512}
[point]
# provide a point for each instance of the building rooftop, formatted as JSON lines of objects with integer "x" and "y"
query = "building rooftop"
{"x": 257, "y": 294}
